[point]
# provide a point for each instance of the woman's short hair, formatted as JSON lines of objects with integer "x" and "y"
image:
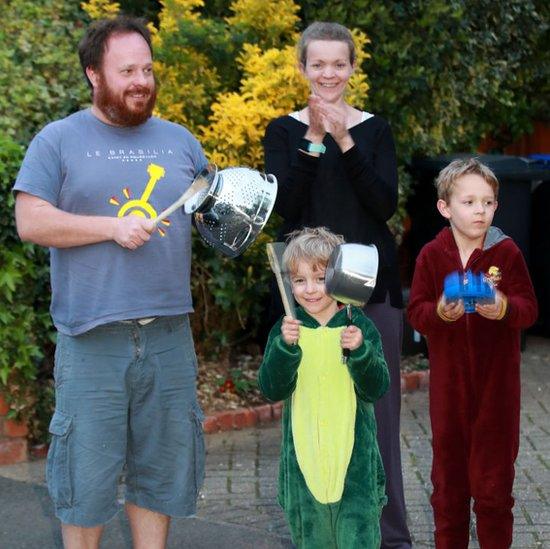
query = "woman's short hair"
{"x": 448, "y": 176}
{"x": 323, "y": 30}
{"x": 312, "y": 245}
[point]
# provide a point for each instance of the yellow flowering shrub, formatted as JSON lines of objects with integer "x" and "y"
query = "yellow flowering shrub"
{"x": 188, "y": 80}
{"x": 358, "y": 86}
{"x": 270, "y": 22}
{"x": 176, "y": 10}
{"x": 98, "y": 9}
{"x": 186, "y": 88}
{"x": 271, "y": 86}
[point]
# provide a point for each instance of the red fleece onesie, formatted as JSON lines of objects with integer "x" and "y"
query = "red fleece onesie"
{"x": 474, "y": 389}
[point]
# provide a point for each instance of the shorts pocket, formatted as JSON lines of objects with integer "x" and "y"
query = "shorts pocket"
{"x": 197, "y": 417}
{"x": 58, "y": 469}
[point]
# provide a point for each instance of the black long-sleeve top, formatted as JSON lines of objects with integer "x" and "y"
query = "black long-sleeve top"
{"x": 353, "y": 193}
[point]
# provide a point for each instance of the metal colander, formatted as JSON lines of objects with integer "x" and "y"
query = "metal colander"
{"x": 232, "y": 210}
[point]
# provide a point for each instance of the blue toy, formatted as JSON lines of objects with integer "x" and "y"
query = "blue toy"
{"x": 470, "y": 287}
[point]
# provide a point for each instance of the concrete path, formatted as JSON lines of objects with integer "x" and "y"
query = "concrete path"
{"x": 238, "y": 510}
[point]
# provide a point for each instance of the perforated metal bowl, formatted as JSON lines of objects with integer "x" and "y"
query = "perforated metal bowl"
{"x": 234, "y": 208}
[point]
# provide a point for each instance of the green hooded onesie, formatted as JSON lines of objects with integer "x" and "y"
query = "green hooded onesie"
{"x": 331, "y": 479}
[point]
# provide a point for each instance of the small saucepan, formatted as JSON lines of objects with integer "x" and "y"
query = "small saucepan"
{"x": 350, "y": 276}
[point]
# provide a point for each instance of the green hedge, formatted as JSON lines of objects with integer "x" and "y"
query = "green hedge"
{"x": 41, "y": 80}
{"x": 26, "y": 333}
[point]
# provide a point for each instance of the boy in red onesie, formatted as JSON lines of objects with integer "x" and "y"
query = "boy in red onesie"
{"x": 474, "y": 360}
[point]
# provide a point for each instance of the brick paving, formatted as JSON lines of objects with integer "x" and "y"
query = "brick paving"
{"x": 238, "y": 509}
{"x": 240, "y": 485}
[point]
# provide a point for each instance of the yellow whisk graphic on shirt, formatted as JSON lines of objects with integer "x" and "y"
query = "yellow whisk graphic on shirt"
{"x": 140, "y": 206}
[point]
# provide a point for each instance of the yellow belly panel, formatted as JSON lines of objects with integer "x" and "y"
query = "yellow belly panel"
{"x": 323, "y": 413}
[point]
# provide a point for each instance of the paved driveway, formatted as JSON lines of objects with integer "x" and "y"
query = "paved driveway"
{"x": 237, "y": 509}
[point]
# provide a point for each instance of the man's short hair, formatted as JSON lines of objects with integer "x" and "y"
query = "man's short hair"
{"x": 313, "y": 246}
{"x": 448, "y": 176}
{"x": 91, "y": 48}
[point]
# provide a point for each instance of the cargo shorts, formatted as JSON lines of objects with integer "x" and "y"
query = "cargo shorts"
{"x": 126, "y": 400}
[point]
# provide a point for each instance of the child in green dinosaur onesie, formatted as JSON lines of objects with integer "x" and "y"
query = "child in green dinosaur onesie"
{"x": 331, "y": 479}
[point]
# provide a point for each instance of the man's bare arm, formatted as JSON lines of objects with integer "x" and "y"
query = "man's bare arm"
{"x": 40, "y": 222}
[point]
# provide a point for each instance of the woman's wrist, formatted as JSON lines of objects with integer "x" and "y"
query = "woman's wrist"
{"x": 345, "y": 142}
{"x": 314, "y": 136}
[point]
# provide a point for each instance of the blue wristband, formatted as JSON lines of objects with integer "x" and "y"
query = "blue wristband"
{"x": 308, "y": 146}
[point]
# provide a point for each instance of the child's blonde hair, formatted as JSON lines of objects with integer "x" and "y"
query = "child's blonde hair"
{"x": 448, "y": 176}
{"x": 313, "y": 246}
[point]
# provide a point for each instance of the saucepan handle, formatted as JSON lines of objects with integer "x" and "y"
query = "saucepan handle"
{"x": 346, "y": 352}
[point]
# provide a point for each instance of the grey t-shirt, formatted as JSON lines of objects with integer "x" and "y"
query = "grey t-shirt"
{"x": 86, "y": 167}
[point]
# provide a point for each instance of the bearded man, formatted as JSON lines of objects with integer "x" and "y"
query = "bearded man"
{"x": 89, "y": 188}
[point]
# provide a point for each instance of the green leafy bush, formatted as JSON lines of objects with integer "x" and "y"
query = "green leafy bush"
{"x": 40, "y": 76}
{"x": 25, "y": 327}
{"x": 41, "y": 80}
{"x": 228, "y": 295}
{"x": 448, "y": 73}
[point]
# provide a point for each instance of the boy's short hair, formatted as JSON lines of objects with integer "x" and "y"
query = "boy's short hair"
{"x": 448, "y": 176}
{"x": 313, "y": 246}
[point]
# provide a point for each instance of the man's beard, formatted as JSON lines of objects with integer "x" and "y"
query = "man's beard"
{"x": 114, "y": 106}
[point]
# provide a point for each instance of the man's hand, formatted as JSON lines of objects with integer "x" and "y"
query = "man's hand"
{"x": 493, "y": 311}
{"x": 351, "y": 338}
{"x": 290, "y": 330}
{"x": 450, "y": 311}
{"x": 132, "y": 231}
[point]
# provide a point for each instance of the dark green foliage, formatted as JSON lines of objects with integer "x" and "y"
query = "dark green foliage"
{"x": 212, "y": 38}
{"x": 445, "y": 74}
{"x": 41, "y": 80}
{"x": 25, "y": 327}
{"x": 148, "y": 9}
{"x": 217, "y": 8}
{"x": 11, "y": 155}
{"x": 228, "y": 295}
